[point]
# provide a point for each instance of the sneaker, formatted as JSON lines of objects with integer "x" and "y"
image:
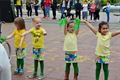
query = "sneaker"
{"x": 32, "y": 76}
{"x": 41, "y": 77}
{"x": 21, "y": 71}
{"x": 16, "y": 71}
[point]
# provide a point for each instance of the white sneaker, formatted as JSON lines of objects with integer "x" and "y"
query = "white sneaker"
{"x": 41, "y": 77}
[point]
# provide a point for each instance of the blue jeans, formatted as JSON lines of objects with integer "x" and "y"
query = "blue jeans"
{"x": 85, "y": 15}
{"x": 47, "y": 11}
{"x": 108, "y": 16}
{"x": 19, "y": 8}
{"x": 62, "y": 12}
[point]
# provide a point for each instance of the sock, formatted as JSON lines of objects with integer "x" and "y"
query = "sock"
{"x": 18, "y": 63}
{"x": 75, "y": 66}
{"x": 35, "y": 66}
{"x": 42, "y": 67}
{"x": 106, "y": 71}
{"x": 98, "y": 68}
{"x": 22, "y": 63}
{"x": 68, "y": 67}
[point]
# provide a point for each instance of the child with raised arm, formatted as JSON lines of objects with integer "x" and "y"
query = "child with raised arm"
{"x": 38, "y": 34}
{"x": 70, "y": 48}
{"x": 19, "y": 43}
{"x": 103, "y": 47}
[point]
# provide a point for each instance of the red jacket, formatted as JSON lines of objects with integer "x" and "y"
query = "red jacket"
{"x": 47, "y": 2}
{"x": 93, "y": 7}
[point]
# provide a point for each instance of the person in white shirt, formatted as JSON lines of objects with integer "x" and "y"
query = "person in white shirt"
{"x": 36, "y": 6}
{"x": 85, "y": 11}
{"x": 5, "y": 66}
{"x": 63, "y": 5}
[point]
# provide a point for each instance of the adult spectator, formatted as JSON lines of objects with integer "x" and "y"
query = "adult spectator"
{"x": 29, "y": 7}
{"x": 36, "y": 6}
{"x": 18, "y": 5}
{"x": 47, "y": 7}
{"x": 92, "y": 10}
{"x": 43, "y": 8}
{"x": 69, "y": 4}
{"x": 78, "y": 8}
{"x": 54, "y": 7}
{"x": 107, "y": 10}
{"x": 98, "y": 6}
{"x": 89, "y": 3}
{"x": 85, "y": 10}
{"x": 62, "y": 7}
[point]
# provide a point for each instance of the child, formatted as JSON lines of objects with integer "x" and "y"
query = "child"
{"x": 70, "y": 48}
{"x": 103, "y": 47}
{"x": 19, "y": 43}
{"x": 38, "y": 34}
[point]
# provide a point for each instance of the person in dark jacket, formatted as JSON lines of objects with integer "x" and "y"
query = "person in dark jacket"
{"x": 54, "y": 7}
{"x": 69, "y": 4}
{"x": 43, "y": 8}
{"x": 78, "y": 8}
{"x": 36, "y": 6}
{"x": 98, "y": 6}
{"x": 29, "y": 7}
{"x": 63, "y": 7}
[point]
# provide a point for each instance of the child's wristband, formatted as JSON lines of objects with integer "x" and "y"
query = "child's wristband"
{"x": 62, "y": 22}
{"x": 77, "y": 24}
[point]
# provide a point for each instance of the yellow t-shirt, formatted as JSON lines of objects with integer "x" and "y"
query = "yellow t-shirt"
{"x": 70, "y": 42}
{"x": 38, "y": 37}
{"x": 18, "y": 3}
{"x": 17, "y": 38}
{"x": 103, "y": 44}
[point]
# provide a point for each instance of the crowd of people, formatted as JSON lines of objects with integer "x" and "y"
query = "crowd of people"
{"x": 86, "y": 8}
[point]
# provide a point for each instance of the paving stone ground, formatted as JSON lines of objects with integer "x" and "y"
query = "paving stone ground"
{"x": 54, "y": 62}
